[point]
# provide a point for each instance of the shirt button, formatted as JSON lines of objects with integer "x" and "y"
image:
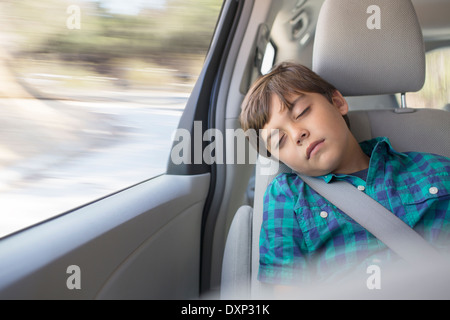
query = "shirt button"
{"x": 324, "y": 214}
{"x": 361, "y": 188}
{"x": 433, "y": 190}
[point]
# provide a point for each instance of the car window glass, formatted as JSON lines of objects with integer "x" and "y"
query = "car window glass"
{"x": 268, "y": 59}
{"x": 92, "y": 92}
{"x": 435, "y": 93}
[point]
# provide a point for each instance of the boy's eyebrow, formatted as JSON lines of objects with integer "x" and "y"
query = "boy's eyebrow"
{"x": 300, "y": 97}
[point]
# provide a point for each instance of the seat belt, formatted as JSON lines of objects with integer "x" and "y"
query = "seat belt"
{"x": 376, "y": 219}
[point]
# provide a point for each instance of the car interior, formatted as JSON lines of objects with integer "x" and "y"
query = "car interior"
{"x": 193, "y": 232}
{"x": 356, "y": 71}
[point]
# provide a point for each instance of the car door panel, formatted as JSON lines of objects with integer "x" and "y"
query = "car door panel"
{"x": 143, "y": 242}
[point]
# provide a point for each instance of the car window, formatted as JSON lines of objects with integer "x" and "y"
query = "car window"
{"x": 92, "y": 92}
{"x": 268, "y": 59}
{"x": 435, "y": 93}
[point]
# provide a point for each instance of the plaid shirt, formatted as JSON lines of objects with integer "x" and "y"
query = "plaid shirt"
{"x": 304, "y": 237}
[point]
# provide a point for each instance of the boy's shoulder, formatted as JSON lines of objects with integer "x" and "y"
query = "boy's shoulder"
{"x": 429, "y": 163}
{"x": 425, "y": 163}
{"x": 286, "y": 179}
{"x": 426, "y": 156}
{"x": 288, "y": 183}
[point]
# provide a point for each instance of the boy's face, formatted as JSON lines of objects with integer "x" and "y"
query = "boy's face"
{"x": 312, "y": 138}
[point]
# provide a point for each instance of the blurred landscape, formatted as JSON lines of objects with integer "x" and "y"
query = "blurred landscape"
{"x": 90, "y": 92}
{"x": 161, "y": 48}
{"x": 436, "y": 90}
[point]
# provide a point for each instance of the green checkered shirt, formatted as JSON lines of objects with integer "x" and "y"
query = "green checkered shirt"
{"x": 304, "y": 237}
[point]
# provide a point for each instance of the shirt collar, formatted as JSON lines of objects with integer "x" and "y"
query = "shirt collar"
{"x": 380, "y": 144}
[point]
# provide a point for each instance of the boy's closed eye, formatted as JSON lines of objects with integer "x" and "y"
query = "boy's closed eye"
{"x": 303, "y": 112}
{"x": 280, "y": 142}
{"x": 282, "y": 136}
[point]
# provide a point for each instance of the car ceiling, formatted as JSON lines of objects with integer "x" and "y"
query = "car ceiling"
{"x": 433, "y": 15}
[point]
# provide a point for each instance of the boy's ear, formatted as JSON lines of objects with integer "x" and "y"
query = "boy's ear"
{"x": 340, "y": 102}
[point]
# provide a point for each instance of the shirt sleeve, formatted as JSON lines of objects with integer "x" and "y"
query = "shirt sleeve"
{"x": 281, "y": 239}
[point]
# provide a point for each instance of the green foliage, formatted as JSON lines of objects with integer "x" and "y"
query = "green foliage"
{"x": 182, "y": 26}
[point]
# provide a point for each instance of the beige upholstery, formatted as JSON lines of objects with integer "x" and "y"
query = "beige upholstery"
{"x": 359, "y": 59}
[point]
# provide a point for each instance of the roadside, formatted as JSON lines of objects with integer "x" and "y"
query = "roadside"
{"x": 36, "y": 133}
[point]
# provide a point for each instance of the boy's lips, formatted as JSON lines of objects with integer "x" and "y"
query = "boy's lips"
{"x": 312, "y": 146}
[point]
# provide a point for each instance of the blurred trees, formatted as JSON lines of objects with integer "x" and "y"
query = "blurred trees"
{"x": 157, "y": 34}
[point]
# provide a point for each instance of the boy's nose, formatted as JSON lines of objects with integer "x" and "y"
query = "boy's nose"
{"x": 300, "y": 136}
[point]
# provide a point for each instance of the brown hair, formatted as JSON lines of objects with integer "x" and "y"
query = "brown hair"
{"x": 283, "y": 80}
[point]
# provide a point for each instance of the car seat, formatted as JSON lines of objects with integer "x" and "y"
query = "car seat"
{"x": 364, "y": 47}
